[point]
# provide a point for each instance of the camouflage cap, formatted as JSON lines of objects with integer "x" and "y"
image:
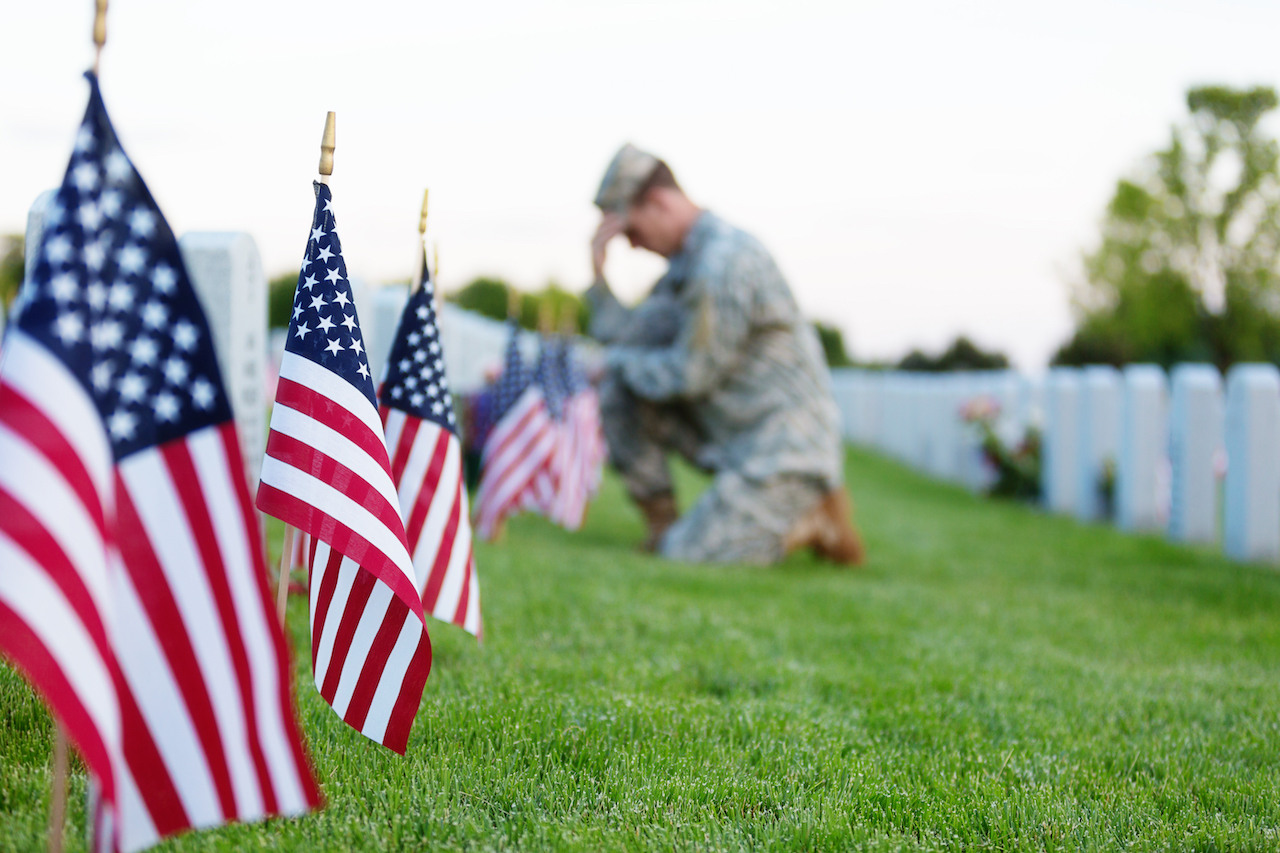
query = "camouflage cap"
{"x": 628, "y": 171}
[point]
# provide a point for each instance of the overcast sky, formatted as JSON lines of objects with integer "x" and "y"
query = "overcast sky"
{"x": 919, "y": 169}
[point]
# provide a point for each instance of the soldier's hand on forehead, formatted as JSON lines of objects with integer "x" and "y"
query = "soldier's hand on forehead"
{"x": 611, "y": 225}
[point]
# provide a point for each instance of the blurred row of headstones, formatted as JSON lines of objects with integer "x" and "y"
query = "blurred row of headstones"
{"x": 1147, "y": 450}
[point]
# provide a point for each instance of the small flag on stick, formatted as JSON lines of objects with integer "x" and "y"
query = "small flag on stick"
{"x": 581, "y": 452}
{"x": 426, "y": 464}
{"x": 540, "y": 495}
{"x": 328, "y": 474}
{"x": 132, "y": 576}
{"x": 519, "y": 446}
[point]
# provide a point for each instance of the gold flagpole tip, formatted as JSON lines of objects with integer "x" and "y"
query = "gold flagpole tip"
{"x": 99, "y": 31}
{"x": 327, "y": 144}
{"x": 435, "y": 269}
{"x": 422, "y": 220}
{"x": 513, "y": 303}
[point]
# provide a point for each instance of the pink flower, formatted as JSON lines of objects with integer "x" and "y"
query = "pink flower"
{"x": 982, "y": 408}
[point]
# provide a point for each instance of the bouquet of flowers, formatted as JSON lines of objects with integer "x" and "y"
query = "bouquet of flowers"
{"x": 1017, "y": 468}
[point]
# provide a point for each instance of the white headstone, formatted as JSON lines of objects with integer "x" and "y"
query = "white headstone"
{"x": 927, "y": 416}
{"x": 30, "y": 248}
{"x": 474, "y": 346}
{"x": 972, "y": 468}
{"x": 226, "y": 272}
{"x": 1060, "y": 464}
{"x": 1144, "y": 441}
{"x": 379, "y": 325}
{"x": 950, "y": 428}
{"x": 867, "y": 413}
{"x": 887, "y": 437}
{"x": 1251, "y": 503}
{"x": 35, "y": 231}
{"x": 857, "y": 398}
{"x": 1030, "y": 405}
{"x": 846, "y": 391}
{"x": 1003, "y": 386}
{"x": 1100, "y": 414}
{"x": 1195, "y": 438}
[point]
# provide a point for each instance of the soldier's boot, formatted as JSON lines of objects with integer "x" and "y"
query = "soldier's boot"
{"x": 659, "y": 513}
{"x": 827, "y": 529}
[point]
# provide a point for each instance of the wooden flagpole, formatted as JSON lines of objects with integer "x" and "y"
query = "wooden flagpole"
{"x": 282, "y": 581}
{"x": 328, "y": 141}
{"x": 99, "y": 32}
{"x": 58, "y": 796}
{"x": 422, "y": 244}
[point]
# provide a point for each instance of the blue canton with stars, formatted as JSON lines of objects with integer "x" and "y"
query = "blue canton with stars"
{"x": 324, "y": 327}
{"x": 574, "y": 379}
{"x": 110, "y": 297}
{"x": 514, "y": 378}
{"x": 548, "y": 376}
{"x": 415, "y": 380}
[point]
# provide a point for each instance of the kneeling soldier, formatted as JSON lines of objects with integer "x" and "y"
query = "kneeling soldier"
{"x": 718, "y": 365}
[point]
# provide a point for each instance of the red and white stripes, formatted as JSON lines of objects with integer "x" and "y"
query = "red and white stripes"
{"x": 517, "y": 452}
{"x": 327, "y": 473}
{"x": 578, "y": 461}
{"x": 134, "y": 596}
{"x": 426, "y": 466}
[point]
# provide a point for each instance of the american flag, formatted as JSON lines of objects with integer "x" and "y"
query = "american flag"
{"x": 132, "y": 577}
{"x": 328, "y": 474}
{"x": 581, "y": 452}
{"x": 519, "y": 446}
{"x": 426, "y": 464}
{"x": 540, "y": 495}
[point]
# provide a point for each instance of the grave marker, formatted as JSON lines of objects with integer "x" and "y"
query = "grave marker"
{"x": 1060, "y": 466}
{"x": 1144, "y": 441}
{"x": 386, "y": 304}
{"x": 846, "y": 391}
{"x": 1251, "y": 503}
{"x": 1099, "y": 437}
{"x": 226, "y": 272}
{"x": 1195, "y": 437}
{"x": 35, "y": 232}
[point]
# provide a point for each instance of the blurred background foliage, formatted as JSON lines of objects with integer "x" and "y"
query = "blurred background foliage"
{"x": 963, "y": 354}
{"x": 1188, "y": 267}
{"x": 490, "y": 297}
{"x": 10, "y": 269}
{"x": 832, "y": 340}
{"x": 280, "y": 291}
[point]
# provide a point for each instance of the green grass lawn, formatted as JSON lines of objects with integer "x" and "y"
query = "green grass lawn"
{"x": 993, "y": 679}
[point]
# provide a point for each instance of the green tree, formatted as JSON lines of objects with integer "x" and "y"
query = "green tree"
{"x": 486, "y": 296}
{"x": 832, "y": 340}
{"x": 1188, "y": 267}
{"x": 490, "y": 297}
{"x": 280, "y": 291}
{"x": 963, "y": 354}
{"x": 556, "y": 304}
{"x": 11, "y": 269}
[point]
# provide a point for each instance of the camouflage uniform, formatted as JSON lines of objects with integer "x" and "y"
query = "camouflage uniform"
{"x": 718, "y": 365}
